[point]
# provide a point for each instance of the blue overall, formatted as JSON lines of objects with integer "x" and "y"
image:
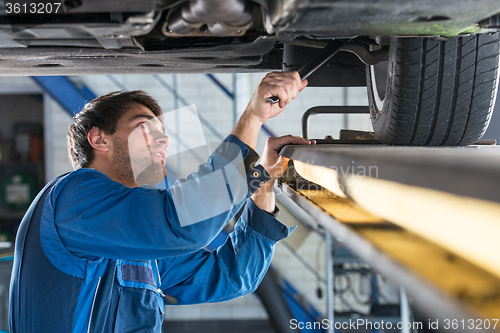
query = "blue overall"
{"x": 93, "y": 255}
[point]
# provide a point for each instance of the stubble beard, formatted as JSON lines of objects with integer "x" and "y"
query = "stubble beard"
{"x": 151, "y": 174}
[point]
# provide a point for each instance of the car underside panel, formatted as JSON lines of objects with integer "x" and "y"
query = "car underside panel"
{"x": 112, "y": 37}
{"x": 171, "y": 36}
{"x": 74, "y": 61}
{"x": 321, "y": 18}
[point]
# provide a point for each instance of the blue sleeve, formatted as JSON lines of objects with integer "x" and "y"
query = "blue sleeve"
{"x": 234, "y": 269}
{"x": 97, "y": 217}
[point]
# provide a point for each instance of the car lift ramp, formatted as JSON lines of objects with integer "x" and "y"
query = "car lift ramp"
{"x": 427, "y": 218}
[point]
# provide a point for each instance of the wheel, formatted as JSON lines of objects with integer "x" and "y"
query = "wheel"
{"x": 434, "y": 92}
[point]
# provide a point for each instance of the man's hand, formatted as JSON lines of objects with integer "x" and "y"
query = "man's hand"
{"x": 275, "y": 165}
{"x": 285, "y": 85}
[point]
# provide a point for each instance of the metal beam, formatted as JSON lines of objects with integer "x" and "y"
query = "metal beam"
{"x": 470, "y": 171}
{"x": 434, "y": 301}
{"x": 221, "y": 86}
{"x": 445, "y": 283}
{"x": 71, "y": 97}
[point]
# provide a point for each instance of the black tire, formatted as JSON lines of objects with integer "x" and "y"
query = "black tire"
{"x": 434, "y": 92}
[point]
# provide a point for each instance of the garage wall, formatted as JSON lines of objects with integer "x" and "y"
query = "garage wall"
{"x": 59, "y": 121}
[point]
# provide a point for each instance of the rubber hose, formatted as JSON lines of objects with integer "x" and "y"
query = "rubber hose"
{"x": 274, "y": 302}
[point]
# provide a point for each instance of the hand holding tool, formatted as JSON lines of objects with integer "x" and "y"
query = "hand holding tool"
{"x": 305, "y": 71}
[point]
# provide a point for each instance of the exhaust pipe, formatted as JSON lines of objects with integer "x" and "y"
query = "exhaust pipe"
{"x": 222, "y": 18}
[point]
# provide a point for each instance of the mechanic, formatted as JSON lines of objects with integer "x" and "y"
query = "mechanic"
{"x": 96, "y": 252}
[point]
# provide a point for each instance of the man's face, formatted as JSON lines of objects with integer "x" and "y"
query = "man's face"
{"x": 139, "y": 147}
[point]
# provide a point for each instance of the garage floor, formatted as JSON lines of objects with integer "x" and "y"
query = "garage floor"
{"x": 218, "y": 326}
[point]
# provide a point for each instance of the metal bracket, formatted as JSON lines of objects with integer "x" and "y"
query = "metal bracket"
{"x": 329, "y": 110}
{"x": 361, "y": 50}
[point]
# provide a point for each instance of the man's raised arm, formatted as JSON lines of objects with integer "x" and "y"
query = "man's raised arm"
{"x": 285, "y": 85}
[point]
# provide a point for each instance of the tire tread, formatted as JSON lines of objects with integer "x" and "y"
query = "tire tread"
{"x": 443, "y": 91}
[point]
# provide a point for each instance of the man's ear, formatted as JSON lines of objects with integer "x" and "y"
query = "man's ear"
{"x": 98, "y": 139}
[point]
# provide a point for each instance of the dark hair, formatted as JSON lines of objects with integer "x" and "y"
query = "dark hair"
{"x": 103, "y": 112}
